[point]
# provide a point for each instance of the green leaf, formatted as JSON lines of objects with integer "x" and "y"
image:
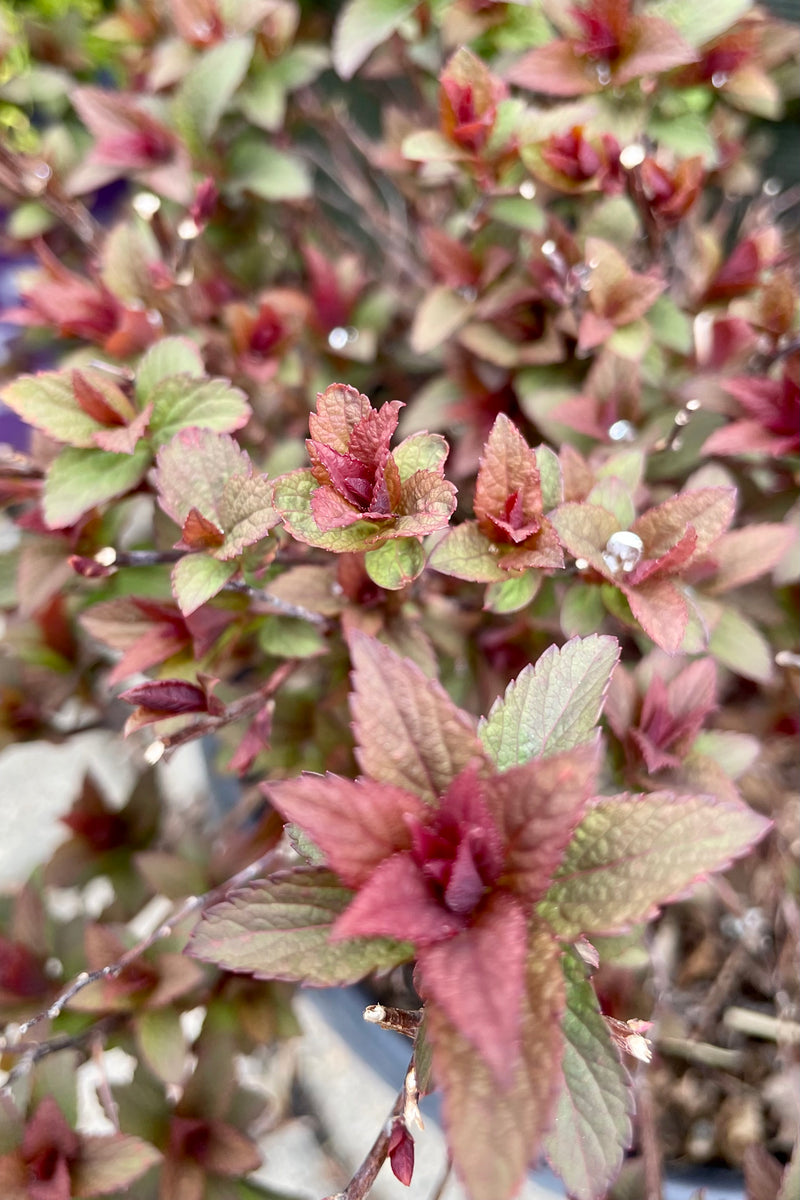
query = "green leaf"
{"x": 671, "y": 326}
{"x": 428, "y": 145}
{"x": 441, "y": 313}
{"x": 207, "y": 89}
{"x": 553, "y": 705}
{"x": 699, "y": 23}
{"x": 409, "y": 732}
{"x": 467, "y": 553}
{"x": 632, "y": 854}
{"x": 292, "y": 499}
{"x": 183, "y": 402}
{"x": 279, "y": 929}
{"x": 420, "y": 452}
{"x": 593, "y": 1117}
{"x": 110, "y": 1164}
{"x": 266, "y": 172}
{"x": 550, "y": 479}
{"x": 396, "y": 563}
{"x": 197, "y": 578}
{"x": 161, "y": 1042}
{"x": 738, "y": 645}
{"x": 688, "y": 134}
{"x": 512, "y": 594}
{"x": 493, "y": 1133}
{"x": 289, "y": 637}
{"x": 361, "y": 26}
{"x": 78, "y": 480}
{"x": 170, "y": 356}
{"x": 582, "y": 610}
{"x": 263, "y": 99}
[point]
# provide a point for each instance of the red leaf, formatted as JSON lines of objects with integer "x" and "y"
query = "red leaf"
{"x": 477, "y": 978}
{"x": 536, "y": 807}
{"x": 397, "y": 902}
{"x": 198, "y": 533}
{"x": 168, "y": 696}
{"x": 661, "y": 610}
{"x": 401, "y": 1152}
{"x": 357, "y": 824}
{"x": 94, "y": 403}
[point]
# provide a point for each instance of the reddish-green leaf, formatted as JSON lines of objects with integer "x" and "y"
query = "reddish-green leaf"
{"x": 493, "y": 1132}
{"x": 409, "y": 732}
{"x": 48, "y": 402}
{"x": 292, "y": 495}
{"x": 111, "y": 1164}
{"x": 584, "y": 529}
{"x": 661, "y": 609}
{"x": 279, "y": 929}
{"x": 593, "y": 1115}
{"x": 553, "y": 705}
{"x": 744, "y": 554}
{"x": 632, "y": 854}
{"x": 708, "y": 510}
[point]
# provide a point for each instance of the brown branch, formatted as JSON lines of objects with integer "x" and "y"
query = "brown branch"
{"x": 401, "y": 1020}
{"x": 360, "y": 1184}
{"x": 32, "y": 178}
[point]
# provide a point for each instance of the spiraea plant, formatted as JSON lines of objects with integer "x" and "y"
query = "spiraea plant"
{"x": 402, "y": 402}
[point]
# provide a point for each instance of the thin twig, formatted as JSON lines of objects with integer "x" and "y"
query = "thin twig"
{"x": 367, "y": 1173}
{"x": 33, "y": 179}
{"x": 13, "y": 1043}
{"x": 401, "y": 1020}
{"x": 104, "y": 1093}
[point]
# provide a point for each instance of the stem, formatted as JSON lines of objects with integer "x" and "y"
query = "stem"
{"x": 359, "y": 1186}
{"x": 20, "y": 174}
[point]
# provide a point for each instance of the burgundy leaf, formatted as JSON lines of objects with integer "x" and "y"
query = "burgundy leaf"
{"x": 477, "y": 978}
{"x": 168, "y": 696}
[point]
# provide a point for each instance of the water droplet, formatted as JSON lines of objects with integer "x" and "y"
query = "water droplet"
{"x": 337, "y": 338}
{"x": 146, "y": 205}
{"x": 677, "y": 444}
{"x": 772, "y": 186}
{"x": 352, "y": 334}
{"x": 185, "y": 275}
{"x": 54, "y": 968}
{"x": 581, "y": 563}
{"x": 603, "y": 74}
{"x": 527, "y": 189}
{"x": 623, "y": 551}
{"x": 622, "y": 431}
{"x": 82, "y": 978}
{"x": 42, "y": 170}
{"x": 468, "y": 293}
{"x": 632, "y": 156}
{"x": 154, "y": 318}
{"x": 549, "y": 248}
{"x": 188, "y": 229}
{"x": 106, "y": 557}
{"x": 719, "y": 79}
